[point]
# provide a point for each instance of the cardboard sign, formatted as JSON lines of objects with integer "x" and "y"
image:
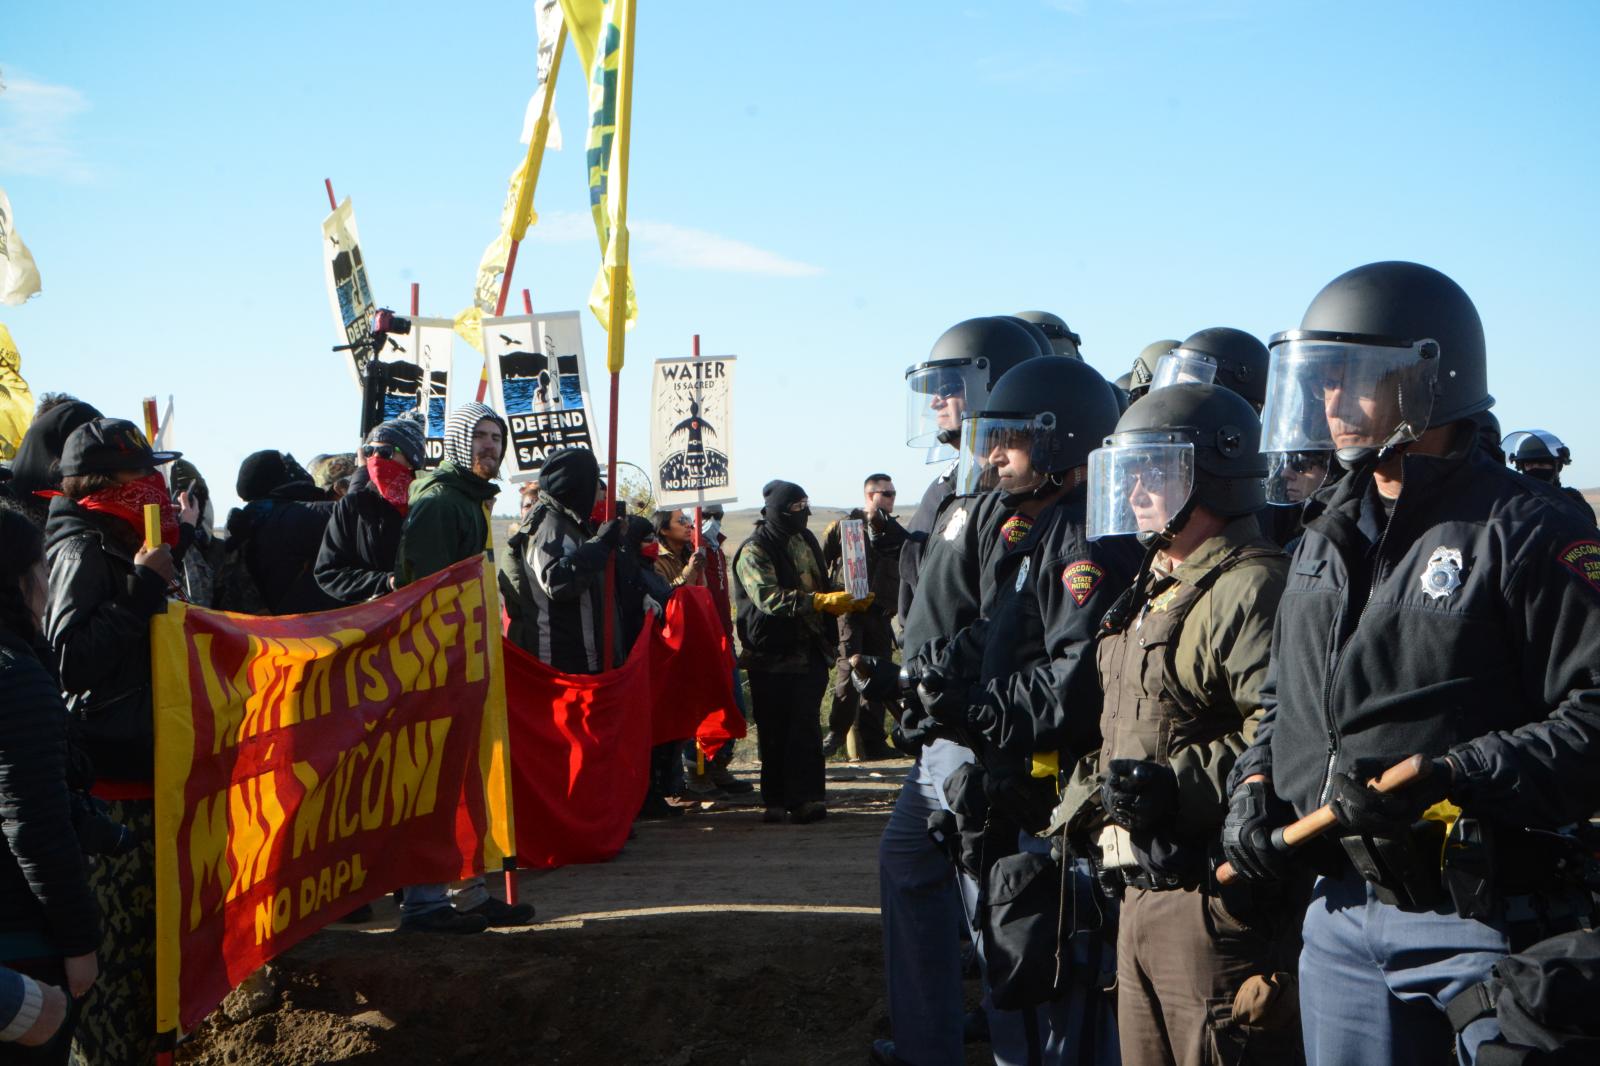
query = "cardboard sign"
{"x": 691, "y": 431}
{"x": 853, "y": 554}
{"x": 538, "y": 382}
{"x": 348, "y": 291}
{"x": 419, "y": 378}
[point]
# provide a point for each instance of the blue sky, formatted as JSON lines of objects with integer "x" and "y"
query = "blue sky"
{"x": 820, "y": 189}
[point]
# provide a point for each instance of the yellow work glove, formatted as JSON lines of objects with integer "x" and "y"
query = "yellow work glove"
{"x": 834, "y": 603}
{"x": 857, "y": 606}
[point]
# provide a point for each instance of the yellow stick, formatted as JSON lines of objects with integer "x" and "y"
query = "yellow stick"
{"x": 152, "y": 526}
{"x": 522, "y": 217}
{"x": 617, "y": 258}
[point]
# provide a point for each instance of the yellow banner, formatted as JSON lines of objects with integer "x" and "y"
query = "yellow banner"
{"x": 16, "y": 399}
{"x": 607, "y": 152}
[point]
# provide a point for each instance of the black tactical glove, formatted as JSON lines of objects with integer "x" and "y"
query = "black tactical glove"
{"x": 1254, "y": 812}
{"x": 944, "y": 698}
{"x": 879, "y": 678}
{"x": 1363, "y": 809}
{"x": 1139, "y": 794}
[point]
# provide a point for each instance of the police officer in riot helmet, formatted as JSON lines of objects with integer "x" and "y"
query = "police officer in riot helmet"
{"x": 1019, "y": 687}
{"x": 942, "y": 563}
{"x": 964, "y": 365}
{"x": 1143, "y": 373}
{"x": 1062, "y": 340}
{"x": 1182, "y": 658}
{"x": 1230, "y": 357}
{"x": 1441, "y": 620}
{"x": 1540, "y": 455}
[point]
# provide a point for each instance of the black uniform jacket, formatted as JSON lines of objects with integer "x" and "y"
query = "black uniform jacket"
{"x": 1032, "y": 651}
{"x": 942, "y": 488}
{"x": 1471, "y": 625}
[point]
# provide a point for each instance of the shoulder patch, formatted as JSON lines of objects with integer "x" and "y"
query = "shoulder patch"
{"x": 1583, "y": 558}
{"x": 1015, "y": 529}
{"x": 1081, "y": 579}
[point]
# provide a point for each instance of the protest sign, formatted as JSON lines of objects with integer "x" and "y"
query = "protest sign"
{"x": 853, "y": 554}
{"x": 348, "y": 291}
{"x": 308, "y": 764}
{"x": 418, "y": 377}
{"x": 538, "y": 382}
{"x": 691, "y": 430}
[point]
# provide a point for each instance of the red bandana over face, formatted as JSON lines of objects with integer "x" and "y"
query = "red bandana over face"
{"x": 128, "y": 501}
{"x": 392, "y": 480}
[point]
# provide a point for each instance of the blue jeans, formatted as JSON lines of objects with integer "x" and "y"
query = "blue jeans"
{"x": 922, "y": 915}
{"x": 423, "y": 899}
{"x": 1374, "y": 979}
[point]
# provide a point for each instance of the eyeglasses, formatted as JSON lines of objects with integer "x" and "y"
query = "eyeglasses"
{"x": 1306, "y": 462}
{"x": 382, "y": 451}
{"x": 884, "y": 492}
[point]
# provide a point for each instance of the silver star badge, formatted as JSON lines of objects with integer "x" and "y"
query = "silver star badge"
{"x": 1443, "y": 575}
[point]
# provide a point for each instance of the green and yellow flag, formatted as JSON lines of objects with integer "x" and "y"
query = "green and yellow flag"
{"x": 16, "y": 399}
{"x": 598, "y": 28}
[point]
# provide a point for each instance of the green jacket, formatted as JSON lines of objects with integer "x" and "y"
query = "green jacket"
{"x": 448, "y": 522}
{"x": 760, "y": 593}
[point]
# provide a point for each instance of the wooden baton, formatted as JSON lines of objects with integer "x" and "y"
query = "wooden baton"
{"x": 1323, "y": 819}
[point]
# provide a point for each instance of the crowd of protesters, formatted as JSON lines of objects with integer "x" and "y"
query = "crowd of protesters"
{"x": 79, "y": 586}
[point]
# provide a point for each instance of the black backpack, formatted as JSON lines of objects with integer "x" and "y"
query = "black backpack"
{"x": 1546, "y": 1000}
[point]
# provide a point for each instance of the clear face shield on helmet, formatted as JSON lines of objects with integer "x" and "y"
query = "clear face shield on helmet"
{"x": 1138, "y": 482}
{"x": 937, "y": 397}
{"x": 1010, "y": 453}
{"x": 1353, "y": 397}
{"x": 1293, "y": 476}
{"x": 1183, "y": 367}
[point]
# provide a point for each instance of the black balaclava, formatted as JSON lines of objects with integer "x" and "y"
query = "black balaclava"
{"x": 265, "y": 473}
{"x": 778, "y": 497}
{"x": 571, "y": 477}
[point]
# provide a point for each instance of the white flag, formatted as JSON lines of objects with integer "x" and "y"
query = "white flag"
{"x": 548, "y": 13}
{"x": 166, "y": 437}
{"x": 19, "y": 277}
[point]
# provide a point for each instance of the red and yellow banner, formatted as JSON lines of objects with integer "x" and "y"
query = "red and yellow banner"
{"x": 308, "y": 764}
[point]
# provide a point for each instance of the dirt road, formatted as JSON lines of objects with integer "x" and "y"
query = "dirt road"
{"x": 713, "y": 940}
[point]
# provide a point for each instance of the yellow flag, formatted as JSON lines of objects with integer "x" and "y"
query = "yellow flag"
{"x": 16, "y": 399}
{"x": 606, "y": 148}
{"x": 469, "y": 327}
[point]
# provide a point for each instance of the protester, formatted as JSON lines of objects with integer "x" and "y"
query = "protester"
{"x": 197, "y": 570}
{"x": 781, "y": 597}
{"x": 708, "y": 776}
{"x": 678, "y": 562}
{"x": 332, "y": 473}
{"x": 37, "y": 465}
{"x": 356, "y": 560}
{"x": 32, "y": 1014}
{"x": 49, "y": 924}
{"x": 105, "y": 586}
{"x": 448, "y": 521}
{"x": 868, "y": 632}
{"x": 271, "y": 552}
{"x": 554, "y": 569}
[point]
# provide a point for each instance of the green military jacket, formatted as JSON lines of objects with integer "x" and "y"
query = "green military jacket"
{"x": 1183, "y": 678}
{"x": 756, "y": 582}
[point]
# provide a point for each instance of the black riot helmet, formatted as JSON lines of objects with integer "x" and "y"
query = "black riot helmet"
{"x": 1055, "y": 409}
{"x": 1489, "y": 436}
{"x": 1179, "y": 447}
{"x": 1538, "y": 453}
{"x": 1230, "y": 357}
{"x": 957, "y": 377}
{"x": 1039, "y": 338}
{"x": 1062, "y": 340}
{"x": 1384, "y": 352}
{"x": 1144, "y": 366}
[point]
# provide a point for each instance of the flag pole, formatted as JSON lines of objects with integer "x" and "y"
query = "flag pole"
{"x": 527, "y": 302}
{"x": 333, "y": 205}
{"x": 617, "y": 265}
{"x": 522, "y": 214}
